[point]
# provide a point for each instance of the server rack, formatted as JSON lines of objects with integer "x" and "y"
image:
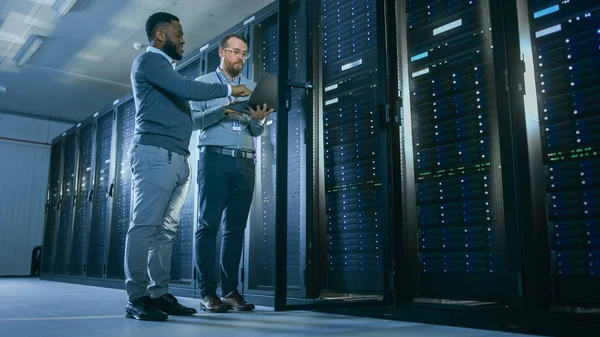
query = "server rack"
{"x": 52, "y": 207}
{"x": 121, "y": 197}
{"x": 355, "y": 147}
{"x": 462, "y": 250}
{"x": 67, "y": 204}
{"x": 83, "y": 198}
{"x": 260, "y": 247}
{"x": 261, "y": 253}
{"x": 348, "y": 250}
{"x": 102, "y": 190}
{"x": 564, "y": 39}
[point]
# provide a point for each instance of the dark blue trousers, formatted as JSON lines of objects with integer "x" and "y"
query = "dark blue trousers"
{"x": 225, "y": 190}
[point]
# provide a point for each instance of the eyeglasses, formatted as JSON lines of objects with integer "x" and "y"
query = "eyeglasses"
{"x": 237, "y": 52}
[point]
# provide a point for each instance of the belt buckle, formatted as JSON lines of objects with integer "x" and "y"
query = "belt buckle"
{"x": 236, "y": 153}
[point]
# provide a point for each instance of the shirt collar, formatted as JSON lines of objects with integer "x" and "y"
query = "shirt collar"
{"x": 158, "y": 51}
{"x": 234, "y": 79}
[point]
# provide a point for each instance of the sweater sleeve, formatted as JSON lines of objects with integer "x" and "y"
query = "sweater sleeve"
{"x": 157, "y": 70}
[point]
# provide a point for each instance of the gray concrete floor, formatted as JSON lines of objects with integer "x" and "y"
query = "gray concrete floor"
{"x": 33, "y": 308}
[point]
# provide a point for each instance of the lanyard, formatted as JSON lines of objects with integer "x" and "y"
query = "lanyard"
{"x": 221, "y": 80}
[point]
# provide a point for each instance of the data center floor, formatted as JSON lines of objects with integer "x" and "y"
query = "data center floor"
{"x": 31, "y": 307}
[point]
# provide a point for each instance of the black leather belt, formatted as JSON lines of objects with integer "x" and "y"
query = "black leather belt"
{"x": 228, "y": 152}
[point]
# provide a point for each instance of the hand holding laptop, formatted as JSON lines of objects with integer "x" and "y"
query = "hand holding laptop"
{"x": 259, "y": 113}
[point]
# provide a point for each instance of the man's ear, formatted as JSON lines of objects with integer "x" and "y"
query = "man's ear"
{"x": 221, "y": 52}
{"x": 160, "y": 35}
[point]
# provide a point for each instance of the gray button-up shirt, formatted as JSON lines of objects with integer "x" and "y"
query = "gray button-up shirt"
{"x": 218, "y": 129}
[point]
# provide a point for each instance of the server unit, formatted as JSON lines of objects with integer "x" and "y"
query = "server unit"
{"x": 355, "y": 150}
{"x": 83, "y": 198}
{"x": 565, "y": 40}
{"x": 52, "y": 208}
{"x": 467, "y": 250}
{"x": 100, "y": 196}
{"x": 260, "y": 250}
{"x": 121, "y": 195}
{"x": 66, "y": 204}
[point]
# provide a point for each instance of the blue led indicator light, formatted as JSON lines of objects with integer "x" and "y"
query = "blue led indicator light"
{"x": 547, "y": 11}
{"x": 419, "y": 57}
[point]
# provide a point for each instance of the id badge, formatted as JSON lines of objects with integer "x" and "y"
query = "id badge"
{"x": 235, "y": 125}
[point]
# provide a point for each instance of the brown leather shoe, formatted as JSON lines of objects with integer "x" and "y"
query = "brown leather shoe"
{"x": 236, "y": 302}
{"x": 212, "y": 303}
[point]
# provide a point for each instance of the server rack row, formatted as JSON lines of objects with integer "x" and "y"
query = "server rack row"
{"x": 459, "y": 244}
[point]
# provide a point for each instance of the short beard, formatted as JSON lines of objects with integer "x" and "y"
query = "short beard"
{"x": 231, "y": 70}
{"x": 170, "y": 49}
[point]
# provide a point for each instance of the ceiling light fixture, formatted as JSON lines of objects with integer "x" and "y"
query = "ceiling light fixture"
{"x": 32, "y": 44}
{"x": 62, "y": 7}
{"x": 3, "y": 89}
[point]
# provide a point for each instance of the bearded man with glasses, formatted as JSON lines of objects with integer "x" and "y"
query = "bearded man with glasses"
{"x": 225, "y": 178}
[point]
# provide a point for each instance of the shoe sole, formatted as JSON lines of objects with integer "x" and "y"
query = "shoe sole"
{"x": 218, "y": 311}
{"x": 180, "y": 313}
{"x": 135, "y": 316}
{"x": 243, "y": 309}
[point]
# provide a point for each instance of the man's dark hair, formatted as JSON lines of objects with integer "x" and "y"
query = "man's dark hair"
{"x": 223, "y": 42}
{"x": 158, "y": 19}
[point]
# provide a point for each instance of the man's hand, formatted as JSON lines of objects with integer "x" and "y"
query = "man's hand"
{"x": 259, "y": 113}
{"x": 240, "y": 91}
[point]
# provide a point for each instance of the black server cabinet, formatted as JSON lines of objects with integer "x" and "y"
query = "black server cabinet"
{"x": 102, "y": 190}
{"x": 261, "y": 235}
{"x": 354, "y": 145}
{"x": 565, "y": 38}
{"x": 462, "y": 222}
{"x": 67, "y": 203}
{"x": 83, "y": 199}
{"x": 212, "y": 59}
{"x": 52, "y": 208}
{"x": 121, "y": 199}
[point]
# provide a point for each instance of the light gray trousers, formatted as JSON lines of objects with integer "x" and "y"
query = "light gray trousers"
{"x": 161, "y": 182}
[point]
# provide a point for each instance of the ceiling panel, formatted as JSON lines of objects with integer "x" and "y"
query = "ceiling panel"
{"x": 22, "y": 6}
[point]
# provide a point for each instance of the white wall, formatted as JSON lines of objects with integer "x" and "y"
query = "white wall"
{"x": 23, "y": 187}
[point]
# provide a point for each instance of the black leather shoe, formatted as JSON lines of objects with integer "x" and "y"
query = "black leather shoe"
{"x": 168, "y": 304}
{"x": 236, "y": 302}
{"x": 211, "y": 303}
{"x": 144, "y": 309}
